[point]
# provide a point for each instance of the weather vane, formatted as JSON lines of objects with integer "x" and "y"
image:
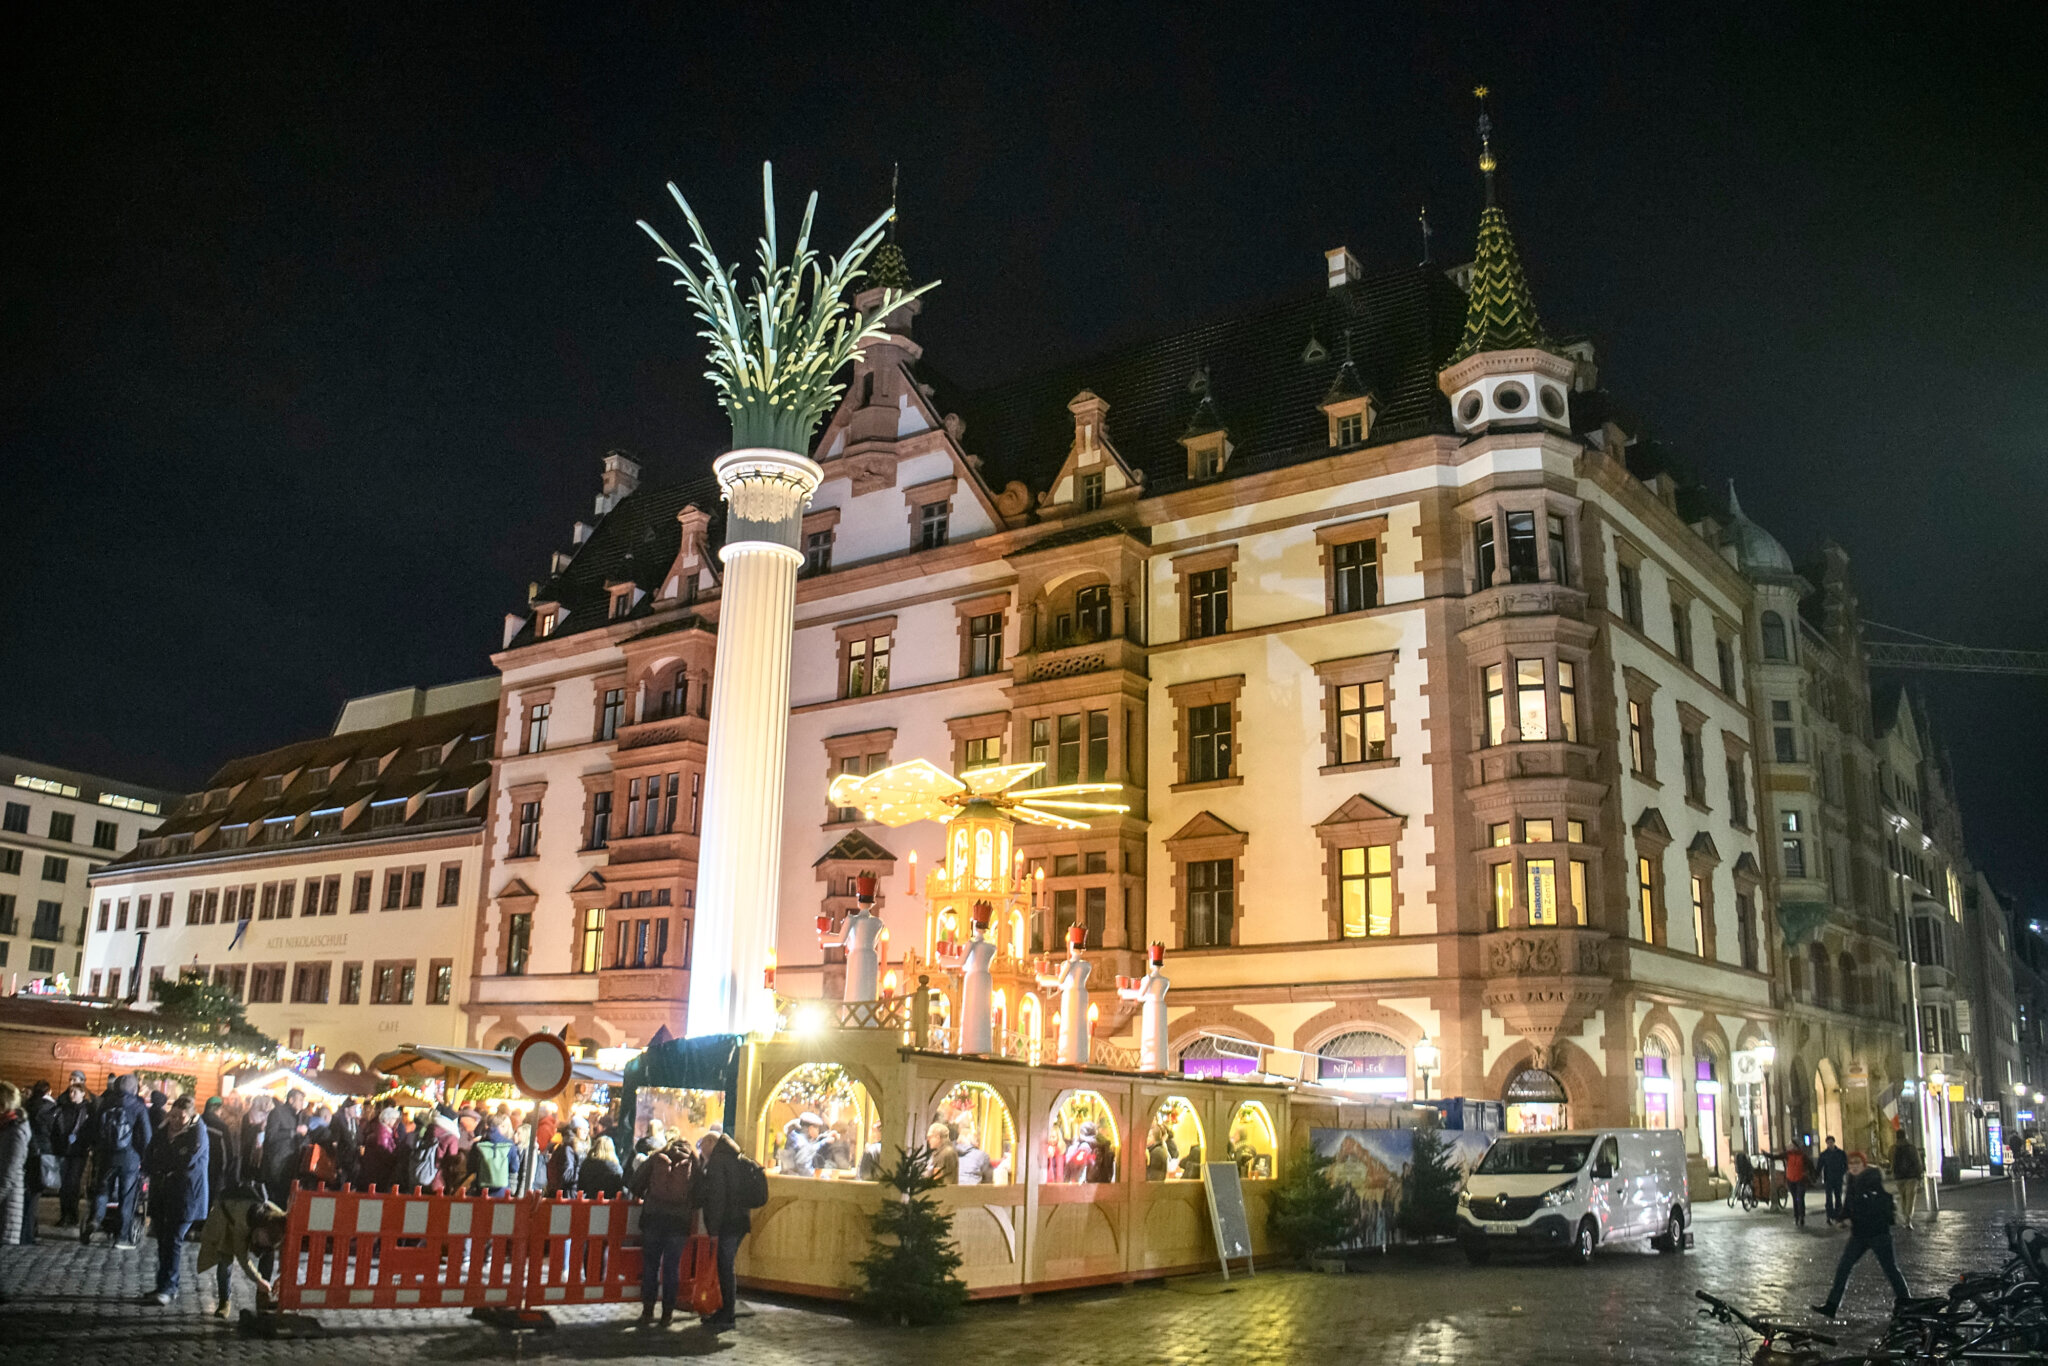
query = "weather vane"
{"x": 1486, "y": 161}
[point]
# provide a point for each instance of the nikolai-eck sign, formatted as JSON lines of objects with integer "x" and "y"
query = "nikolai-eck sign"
{"x": 540, "y": 1066}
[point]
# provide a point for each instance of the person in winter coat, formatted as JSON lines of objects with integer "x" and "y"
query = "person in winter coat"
{"x": 124, "y": 1133}
{"x": 14, "y": 1145}
{"x": 344, "y": 1141}
{"x": 71, "y": 1139}
{"x": 1795, "y": 1180}
{"x": 244, "y": 1230}
{"x": 1867, "y": 1205}
{"x": 493, "y": 1162}
{"x": 666, "y": 1182}
{"x": 177, "y": 1191}
{"x": 1907, "y": 1172}
{"x": 41, "y": 1112}
{"x": 1834, "y": 1169}
{"x": 283, "y": 1129}
{"x": 725, "y": 1207}
{"x": 377, "y": 1168}
{"x": 223, "y": 1153}
{"x": 565, "y": 1163}
{"x": 600, "y": 1177}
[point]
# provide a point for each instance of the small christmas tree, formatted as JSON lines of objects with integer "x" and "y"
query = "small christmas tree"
{"x": 1429, "y": 1195}
{"x": 908, "y": 1275}
{"x": 1308, "y": 1211}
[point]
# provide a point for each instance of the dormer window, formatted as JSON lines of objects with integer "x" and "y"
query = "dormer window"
{"x": 367, "y": 770}
{"x": 818, "y": 553}
{"x": 622, "y": 601}
{"x": 1208, "y": 453}
{"x": 318, "y": 778}
{"x": 1350, "y": 429}
{"x": 544, "y": 623}
{"x": 932, "y": 522}
{"x": 273, "y": 785}
{"x": 1091, "y": 491}
{"x": 1349, "y": 410}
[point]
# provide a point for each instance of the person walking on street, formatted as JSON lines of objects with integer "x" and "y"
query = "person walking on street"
{"x": 124, "y": 1135}
{"x": 1795, "y": 1180}
{"x": 729, "y": 1187}
{"x": 1907, "y": 1171}
{"x": 1834, "y": 1168}
{"x": 71, "y": 1140}
{"x": 1868, "y": 1210}
{"x": 177, "y": 1191}
{"x": 666, "y": 1182}
{"x": 14, "y": 1146}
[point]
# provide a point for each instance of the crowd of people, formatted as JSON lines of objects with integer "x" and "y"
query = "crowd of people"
{"x": 224, "y": 1174}
{"x": 1853, "y": 1192}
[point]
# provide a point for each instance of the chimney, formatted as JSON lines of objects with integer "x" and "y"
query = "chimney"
{"x": 579, "y": 533}
{"x": 513, "y": 622}
{"x": 1344, "y": 267}
{"x": 557, "y": 562}
{"x": 621, "y": 477}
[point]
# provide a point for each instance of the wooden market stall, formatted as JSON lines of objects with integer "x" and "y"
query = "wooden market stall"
{"x": 46, "y": 1039}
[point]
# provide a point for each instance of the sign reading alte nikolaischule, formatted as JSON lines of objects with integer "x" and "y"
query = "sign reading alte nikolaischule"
{"x": 306, "y": 941}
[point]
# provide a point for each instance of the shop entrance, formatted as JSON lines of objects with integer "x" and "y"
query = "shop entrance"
{"x": 1534, "y": 1101}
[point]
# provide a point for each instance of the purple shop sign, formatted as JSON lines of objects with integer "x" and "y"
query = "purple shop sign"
{"x": 1217, "y": 1067}
{"x": 1387, "y": 1067}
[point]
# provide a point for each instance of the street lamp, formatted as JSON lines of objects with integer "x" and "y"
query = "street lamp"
{"x": 1427, "y": 1056}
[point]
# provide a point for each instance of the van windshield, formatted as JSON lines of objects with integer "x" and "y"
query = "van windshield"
{"x": 1535, "y": 1156}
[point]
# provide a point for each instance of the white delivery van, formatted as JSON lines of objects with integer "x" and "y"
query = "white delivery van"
{"x": 1573, "y": 1190}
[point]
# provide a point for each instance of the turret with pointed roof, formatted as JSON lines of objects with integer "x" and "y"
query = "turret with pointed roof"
{"x": 1502, "y": 312}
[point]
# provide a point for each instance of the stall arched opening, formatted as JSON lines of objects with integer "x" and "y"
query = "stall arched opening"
{"x": 978, "y": 1124}
{"x": 1252, "y": 1143}
{"x": 821, "y": 1122}
{"x": 1174, "y": 1149}
{"x": 1081, "y": 1145}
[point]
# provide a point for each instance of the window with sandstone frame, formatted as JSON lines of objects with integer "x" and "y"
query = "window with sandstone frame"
{"x": 1207, "y": 725}
{"x": 1358, "y": 727}
{"x": 1205, "y": 578}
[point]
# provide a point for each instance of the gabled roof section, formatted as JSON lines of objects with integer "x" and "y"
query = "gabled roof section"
{"x": 1360, "y": 807}
{"x": 1501, "y": 313}
{"x": 855, "y": 846}
{"x": 1204, "y": 824}
{"x": 1651, "y": 823}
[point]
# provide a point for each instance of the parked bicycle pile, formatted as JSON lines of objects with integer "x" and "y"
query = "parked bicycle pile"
{"x": 1986, "y": 1316}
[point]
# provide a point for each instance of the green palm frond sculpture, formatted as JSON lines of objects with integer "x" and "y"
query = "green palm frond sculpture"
{"x": 775, "y": 350}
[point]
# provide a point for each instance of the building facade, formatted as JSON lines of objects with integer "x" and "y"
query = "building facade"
{"x": 1425, "y": 687}
{"x": 330, "y": 884}
{"x": 58, "y": 828}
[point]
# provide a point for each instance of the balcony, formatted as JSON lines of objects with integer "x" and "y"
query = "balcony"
{"x": 1078, "y": 658}
{"x": 1525, "y": 600}
{"x": 663, "y": 730}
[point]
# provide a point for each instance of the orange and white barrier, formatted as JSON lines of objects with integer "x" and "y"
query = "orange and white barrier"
{"x": 583, "y": 1252}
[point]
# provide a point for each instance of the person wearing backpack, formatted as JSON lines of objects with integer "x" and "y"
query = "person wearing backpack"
{"x": 1868, "y": 1206}
{"x": 493, "y": 1162}
{"x": 124, "y": 1135}
{"x": 729, "y": 1187}
{"x": 666, "y": 1184}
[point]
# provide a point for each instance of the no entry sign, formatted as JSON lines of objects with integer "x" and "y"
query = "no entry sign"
{"x": 540, "y": 1066}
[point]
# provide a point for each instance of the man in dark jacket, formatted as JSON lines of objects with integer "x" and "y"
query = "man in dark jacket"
{"x": 281, "y": 1132}
{"x": 71, "y": 1139}
{"x": 223, "y": 1154}
{"x": 177, "y": 1191}
{"x": 719, "y": 1195}
{"x": 40, "y": 1113}
{"x": 666, "y": 1183}
{"x": 1868, "y": 1208}
{"x": 123, "y": 1133}
{"x": 1834, "y": 1167}
{"x": 1908, "y": 1172}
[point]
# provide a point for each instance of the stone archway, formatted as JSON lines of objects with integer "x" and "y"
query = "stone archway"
{"x": 1827, "y": 1101}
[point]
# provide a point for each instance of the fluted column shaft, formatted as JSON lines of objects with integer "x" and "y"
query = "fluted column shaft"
{"x": 739, "y": 859}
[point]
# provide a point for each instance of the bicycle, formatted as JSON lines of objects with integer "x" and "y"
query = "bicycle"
{"x": 1779, "y": 1344}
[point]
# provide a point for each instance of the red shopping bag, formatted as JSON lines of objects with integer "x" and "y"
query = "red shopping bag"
{"x": 700, "y": 1269}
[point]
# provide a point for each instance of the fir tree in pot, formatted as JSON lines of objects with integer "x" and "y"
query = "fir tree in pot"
{"x": 909, "y": 1275}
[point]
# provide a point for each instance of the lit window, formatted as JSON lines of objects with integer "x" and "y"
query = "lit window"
{"x": 1500, "y": 836}
{"x": 985, "y": 644}
{"x": 1503, "y": 894}
{"x": 867, "y": 666}
{"x": 1537, "y": 831}
{"x": 1646, "y": 891}
{"x": 1568, "y": 701}
{"x": 537, "y": 727}
{"x": 1361, "y": 722}
{"x": 1542, "y": 880}
{"x": 1636, "y": 737}
{"x": 1496, "y": 704}
{"x": 1699, "y": 916}
{"x": 1531, "y": 712}
{"x": 1578, "y": 891}
{"x": 1366, "y": 890}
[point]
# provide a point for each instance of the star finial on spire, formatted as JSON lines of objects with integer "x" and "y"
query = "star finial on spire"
{"x": 895, "y": 168}
{"x": 1486, "y": 161}
{"x": 887, "y": 266}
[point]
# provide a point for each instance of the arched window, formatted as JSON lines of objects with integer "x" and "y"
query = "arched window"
{"x": 1252, "y": 1144}
{"x": 1173, "y": 1145}
{"x": 1207, "y": 1056}
{"x": 1852, "y": 985}
{"x": 1081, "y": 1143}
{"x": 978, "y": 1125}
{"x": 1658, "y": 1085}
{"x": 1365, "y": 1061}
{"x": 820, "y": 1121}
{"x": 1776, "y": 646}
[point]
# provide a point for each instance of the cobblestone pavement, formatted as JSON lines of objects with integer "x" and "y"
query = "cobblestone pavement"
{"x": 73, "y": 1304}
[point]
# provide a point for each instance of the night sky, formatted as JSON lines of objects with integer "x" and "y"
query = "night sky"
{"x": 319, "y": 324}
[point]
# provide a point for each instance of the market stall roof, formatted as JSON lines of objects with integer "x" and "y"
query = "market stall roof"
{"x": 462, "y": 1066}
{"x": 326, "y": 1084}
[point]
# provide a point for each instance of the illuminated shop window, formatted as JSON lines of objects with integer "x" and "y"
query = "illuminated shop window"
{"x": 820, "y": 1122}
{"x": 1173, "y": 1144}
{"x": 1252, "y": 1145}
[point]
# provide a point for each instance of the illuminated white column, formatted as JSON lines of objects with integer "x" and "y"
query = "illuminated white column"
{"x": 740, "y": 853}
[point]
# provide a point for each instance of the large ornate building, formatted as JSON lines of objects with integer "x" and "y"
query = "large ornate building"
{"x": 1426, "y": 685}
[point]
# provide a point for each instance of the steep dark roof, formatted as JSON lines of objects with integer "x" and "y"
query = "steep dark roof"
{"x": 858, "y": 846}
{"x": 1501, "y": 313}
{"x": 1265, "y": 386}
{"x": 636, "y": 540}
